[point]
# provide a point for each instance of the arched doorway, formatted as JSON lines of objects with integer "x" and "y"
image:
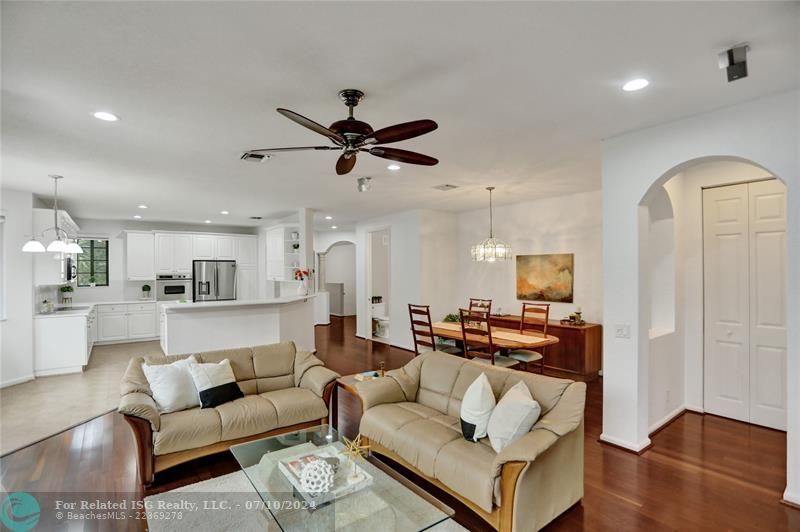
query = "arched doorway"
{"x": 698, "y": 358}
{"x": 340, "y": 277}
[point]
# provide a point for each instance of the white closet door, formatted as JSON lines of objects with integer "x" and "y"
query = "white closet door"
{"x": 768, "y": 304}
{"x": 727, "y": 320}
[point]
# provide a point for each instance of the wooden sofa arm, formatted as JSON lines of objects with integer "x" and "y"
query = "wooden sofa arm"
{"x": 145, "y": 457}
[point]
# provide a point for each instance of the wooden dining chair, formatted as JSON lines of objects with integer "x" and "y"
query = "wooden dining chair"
{"x": 534, "y": 318}
{"x": 480, "y": 305}
{"x": 476, "y": 334}
{"x": 422, "y": 330}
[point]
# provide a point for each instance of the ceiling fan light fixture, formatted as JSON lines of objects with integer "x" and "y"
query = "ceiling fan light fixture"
{"x": 491, "y": 249}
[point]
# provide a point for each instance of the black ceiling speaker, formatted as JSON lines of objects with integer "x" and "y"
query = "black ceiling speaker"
{"x": 734, "y": 61}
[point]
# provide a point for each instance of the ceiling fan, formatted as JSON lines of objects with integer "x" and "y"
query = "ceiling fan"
{"x": 352, "y": 136}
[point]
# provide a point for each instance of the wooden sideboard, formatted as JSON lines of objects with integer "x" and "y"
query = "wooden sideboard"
{"x": 577, "y": 355}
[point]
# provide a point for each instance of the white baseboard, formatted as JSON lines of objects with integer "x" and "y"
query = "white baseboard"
{"x": 695, "y": 408}
{"x": 127, "y": 341}
{"x": 18, "y": 380}
{"x": 59, "y": 371}
{"x": 635, "y": 447}
{"x": 666, "y": 419}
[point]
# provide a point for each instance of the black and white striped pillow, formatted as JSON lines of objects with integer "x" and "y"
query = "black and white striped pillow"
{"x": 215, "y": 383}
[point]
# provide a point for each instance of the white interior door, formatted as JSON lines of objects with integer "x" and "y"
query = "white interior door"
{"x": 727, "y": 320}
{"x": 745, "y": 302}
{"x": 768, "y": 303}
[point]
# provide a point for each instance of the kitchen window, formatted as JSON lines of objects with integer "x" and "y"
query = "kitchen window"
{"x": 93, "y": 262}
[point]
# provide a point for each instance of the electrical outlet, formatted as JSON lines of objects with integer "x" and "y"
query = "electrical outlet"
{"x": 622, "y": 330}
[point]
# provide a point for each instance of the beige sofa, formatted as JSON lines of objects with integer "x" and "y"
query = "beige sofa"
{"x": 285, "y": 390}
{"x": 412, "y": 417}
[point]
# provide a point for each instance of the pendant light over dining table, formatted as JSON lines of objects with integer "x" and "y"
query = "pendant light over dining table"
{"x": 491, "y": 249}
{"x": 59, "y": 245}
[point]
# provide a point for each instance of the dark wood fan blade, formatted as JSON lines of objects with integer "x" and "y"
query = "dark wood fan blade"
{"x": 398, "y": 132}
{"x": 310, "y": 124}
{"x": 298, "y": 148}
{"x": 403, "y": 156}
{"x": 345, "y": 163}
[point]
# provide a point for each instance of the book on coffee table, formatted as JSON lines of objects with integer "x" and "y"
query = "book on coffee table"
{"x": 348, "y": 477}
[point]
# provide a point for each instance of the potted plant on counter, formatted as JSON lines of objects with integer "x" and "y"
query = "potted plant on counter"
{"x": 66, "y": 294}
{"x": 92, "y": 281}
{"x": 302, "y": 276}
{"x": 145, "y": 291}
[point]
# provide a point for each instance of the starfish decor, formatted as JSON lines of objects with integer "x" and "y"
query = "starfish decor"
{"x": 354, "y": 451}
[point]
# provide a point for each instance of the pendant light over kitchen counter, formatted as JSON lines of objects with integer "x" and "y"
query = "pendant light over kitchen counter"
{"x": 62, "y": 243}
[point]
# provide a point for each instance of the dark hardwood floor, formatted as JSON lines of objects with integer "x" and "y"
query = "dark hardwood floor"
{"x": 702, "y": 473}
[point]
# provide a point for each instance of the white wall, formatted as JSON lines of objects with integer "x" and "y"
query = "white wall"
{"x": 324, "y": 240}
{"x": 564, "y": 224}
{"x": 440, "y": 257}
{"x": 120, "y": 289}
{"x": 16, "y": 332}
{"x": 404, "y": 267}
{"x": 764, "y": 131}
{"x": 340, "y": 267}
{"x": 380, "y": 244}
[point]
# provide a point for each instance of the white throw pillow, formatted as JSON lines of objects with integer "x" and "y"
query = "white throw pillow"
{"x": 514, "y": 415}
{"x": 215, "y": 383}
{"x": 172, "y": 385}
{"x": 476, "y": 408}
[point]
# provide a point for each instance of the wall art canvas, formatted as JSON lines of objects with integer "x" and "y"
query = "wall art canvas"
{"x": 546, "y": 277}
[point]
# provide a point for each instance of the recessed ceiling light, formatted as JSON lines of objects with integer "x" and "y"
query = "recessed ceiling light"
{"x": 207, "y": 221}
{"x": 224, "y": 213}
{"x": 142, "y": 206}
{"x": 393, "y": 167}
{"x": 635, "y": 84}
{"x": 329, "y": 217}
{"x": 137, "y": 217}
{"x": 333, "y": 227}
{"x": 106, "y": 116}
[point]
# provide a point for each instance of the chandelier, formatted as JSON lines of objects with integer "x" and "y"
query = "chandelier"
{"x": 59, "y": 245}
{"x": 491, "y": 249}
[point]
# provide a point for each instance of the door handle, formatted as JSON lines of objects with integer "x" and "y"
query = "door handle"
{"x": 729, "y": 333}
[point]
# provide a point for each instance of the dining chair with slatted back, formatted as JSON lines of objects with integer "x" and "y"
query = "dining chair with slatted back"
{"x": 476, "y": 335}
{"x": 480, "y": 305}
{"x": 533, "y": 320}
{"x": 422, "y": 330}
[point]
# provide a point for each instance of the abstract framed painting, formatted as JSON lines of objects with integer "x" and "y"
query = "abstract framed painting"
{"x": 546, "y": 277}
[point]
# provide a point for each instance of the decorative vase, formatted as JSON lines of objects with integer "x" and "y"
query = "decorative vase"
{"x": 317, "y": 477}
{"x": 302, "y": 288}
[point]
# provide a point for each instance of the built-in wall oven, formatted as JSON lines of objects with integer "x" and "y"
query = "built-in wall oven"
{"x": 174, "y": 287}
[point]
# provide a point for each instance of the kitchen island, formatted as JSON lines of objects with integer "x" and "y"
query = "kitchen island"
{"x": 211, "y": 325}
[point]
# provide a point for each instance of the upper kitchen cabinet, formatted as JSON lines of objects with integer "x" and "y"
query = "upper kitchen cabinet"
{"x": 140, "y": 256}
{"x": 215, "y": 247}
{"x": 247, "y": 251}
{"x": 173, "y": 253}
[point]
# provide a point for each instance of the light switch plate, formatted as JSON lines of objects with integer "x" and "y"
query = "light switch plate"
{"x": 622, "y": 330}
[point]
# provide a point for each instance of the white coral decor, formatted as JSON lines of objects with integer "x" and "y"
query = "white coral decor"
{"x": 317, "y": 477}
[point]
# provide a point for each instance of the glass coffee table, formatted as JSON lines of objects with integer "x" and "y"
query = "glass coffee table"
{"x": 363, "y": 494}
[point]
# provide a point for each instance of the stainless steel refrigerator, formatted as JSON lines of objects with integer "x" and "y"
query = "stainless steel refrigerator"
{"x": 214, "y": 280}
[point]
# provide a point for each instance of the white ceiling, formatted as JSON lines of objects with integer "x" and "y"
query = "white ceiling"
{"x": 523, "y": 94}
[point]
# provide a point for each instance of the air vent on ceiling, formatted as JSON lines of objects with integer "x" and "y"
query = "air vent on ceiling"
{"x": 255, "y": 157}
{"x": 256, "y": 217}
{"x": 445, "y": 187}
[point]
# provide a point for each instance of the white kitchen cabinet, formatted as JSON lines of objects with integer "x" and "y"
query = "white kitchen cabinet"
{"x": 204, "y": 247}
{"x": 61, "y": 344}
{"x": 275, "y": 254}
{"x": 141, "y": 324}
{"x": 246, "y": 282}
{"x": 140, "y": 256}
{"x": 112, "y": 326}
{"x": 246, "y": 251}
{"x": 173, "y": 253}
{"x": 225, "y": 247}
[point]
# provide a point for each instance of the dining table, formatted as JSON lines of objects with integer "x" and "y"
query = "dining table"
{"x": 509, "y": 339}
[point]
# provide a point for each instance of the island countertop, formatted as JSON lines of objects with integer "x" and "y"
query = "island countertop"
{"x": 174, "y": 306}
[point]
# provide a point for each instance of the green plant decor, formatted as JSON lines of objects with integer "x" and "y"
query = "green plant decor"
{"x": 452, "y": 318}
{"x": 92, "y": 279}
{"x": 145, "y": 288}
{"x": 67, "y": 289}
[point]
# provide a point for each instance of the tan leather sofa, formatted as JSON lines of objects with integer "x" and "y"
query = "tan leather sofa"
{"x": 285, "y": 390}
{"x": 413, "y": 417}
